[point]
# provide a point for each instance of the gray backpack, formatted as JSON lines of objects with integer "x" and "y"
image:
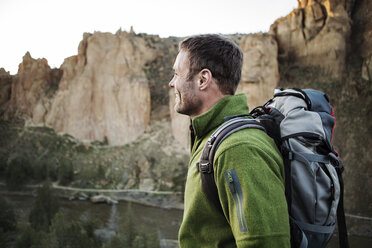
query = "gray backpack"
{"x": 301, "y": 122}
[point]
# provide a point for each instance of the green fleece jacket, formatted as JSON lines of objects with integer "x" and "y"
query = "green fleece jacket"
{"x": 249, "y": 175}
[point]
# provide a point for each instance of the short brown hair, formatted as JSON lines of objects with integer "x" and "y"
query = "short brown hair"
{"x": 218, "y": 54}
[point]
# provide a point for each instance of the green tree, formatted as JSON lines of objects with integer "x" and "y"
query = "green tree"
{"x": 18, "y": 172}
{"x": 7, "y": 217}
{"x": 8, "y": 222}
{"x": 64, "y": 233}
{"x": 65, "y": 172}
{"x": 44, "y": 208}
{"x": 30, "y": 238}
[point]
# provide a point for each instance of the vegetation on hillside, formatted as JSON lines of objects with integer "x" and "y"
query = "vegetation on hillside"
{"x": 30, "y": 155}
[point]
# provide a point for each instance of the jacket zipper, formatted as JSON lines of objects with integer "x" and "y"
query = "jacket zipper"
{"x": 236, "y": 191}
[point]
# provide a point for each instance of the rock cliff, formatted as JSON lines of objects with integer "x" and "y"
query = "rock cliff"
{"x": 100, "y": 94}
{"x": 31, "y": 89}
{"x": 260, "y": 72}
{"x": 104, "y": 93}
{"x": 5, "y": 85}
{"x": 315, "y": 34}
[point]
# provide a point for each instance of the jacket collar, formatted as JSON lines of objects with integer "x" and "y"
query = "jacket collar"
{"x": 227, "y": 106}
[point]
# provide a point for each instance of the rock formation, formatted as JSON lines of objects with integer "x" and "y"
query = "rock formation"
{"x": 30, "y": 88}
{"x": 260, "y": 72}
{"x": 315, "y": 34}
{"x": 5, "y": 85}
{"x": 102, "y": 95}
{"x": 104, "y": 91}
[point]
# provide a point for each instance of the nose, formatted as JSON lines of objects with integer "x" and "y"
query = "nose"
{"x": 171, "y": 83}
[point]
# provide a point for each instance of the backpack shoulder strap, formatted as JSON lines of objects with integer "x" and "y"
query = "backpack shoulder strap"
{"x": 205, "y": 164}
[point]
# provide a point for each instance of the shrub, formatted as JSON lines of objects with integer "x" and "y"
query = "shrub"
{"x": 65, "y": 172}
{"x": 30, "y": 238}
{"x": 18, "y": 172}
{"x": 3, "y": 162}
{"x": 7, "y": 216}
{"x": 72, "y": 234}
{"x": 41, "y": 171}
{"x": 44, "y": 208}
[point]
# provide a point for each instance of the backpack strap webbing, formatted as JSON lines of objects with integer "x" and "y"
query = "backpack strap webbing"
{"x": 341, "y": 221}
{"x": 205, "y": 165}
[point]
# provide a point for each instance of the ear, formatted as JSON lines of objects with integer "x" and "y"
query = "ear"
{"x": 205, "y": 79}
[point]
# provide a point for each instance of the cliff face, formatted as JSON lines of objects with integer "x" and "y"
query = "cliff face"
{"x": 5, "y": 85}
{"x": 260, "y": 72}
{"x": 31, "y": 89}
{"x": 102, "y": 95}
{"x": 104, "y": 91}
{"x": 315, "y": 34}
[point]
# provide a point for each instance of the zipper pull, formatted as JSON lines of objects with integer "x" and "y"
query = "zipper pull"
{"x": 231, "y": 182}
{"x": 333, "y": 191}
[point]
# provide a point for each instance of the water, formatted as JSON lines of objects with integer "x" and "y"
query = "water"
{"x": 166, "y": 222}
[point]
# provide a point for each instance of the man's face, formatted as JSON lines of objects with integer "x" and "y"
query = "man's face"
{"x": 187, "y": 101}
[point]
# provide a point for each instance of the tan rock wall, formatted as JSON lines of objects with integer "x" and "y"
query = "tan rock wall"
{"x": 315, "y": 35}
{"x": 5, "y": 84}
{"x": 30, "y": 89}
{"x": 104, "y": 91}
{"x": 260, "y": 73}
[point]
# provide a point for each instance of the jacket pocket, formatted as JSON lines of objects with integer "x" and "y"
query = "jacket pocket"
{"x": 236, "y": 190}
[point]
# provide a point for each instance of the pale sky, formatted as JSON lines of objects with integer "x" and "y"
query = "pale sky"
{"x": 53, "y": 29}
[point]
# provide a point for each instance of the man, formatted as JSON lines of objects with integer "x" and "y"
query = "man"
{"x": 207, "y": 72}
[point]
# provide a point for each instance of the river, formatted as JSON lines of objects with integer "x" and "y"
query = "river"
{"x": 165, "y": 221}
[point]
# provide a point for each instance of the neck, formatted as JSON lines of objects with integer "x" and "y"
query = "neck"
{"x": 209, "y": 101}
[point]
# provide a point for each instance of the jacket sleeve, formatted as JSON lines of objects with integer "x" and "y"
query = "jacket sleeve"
{"x": 251, "y": 189}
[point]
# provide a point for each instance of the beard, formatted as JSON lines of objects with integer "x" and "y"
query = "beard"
{"x": 187, "y": 102}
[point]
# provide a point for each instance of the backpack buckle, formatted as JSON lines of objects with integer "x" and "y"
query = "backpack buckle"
{"x": 205, "y": 167}
{"x": 336, "y": 162}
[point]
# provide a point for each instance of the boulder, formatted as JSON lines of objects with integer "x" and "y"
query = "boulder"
{"x": 103, "y": 199}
